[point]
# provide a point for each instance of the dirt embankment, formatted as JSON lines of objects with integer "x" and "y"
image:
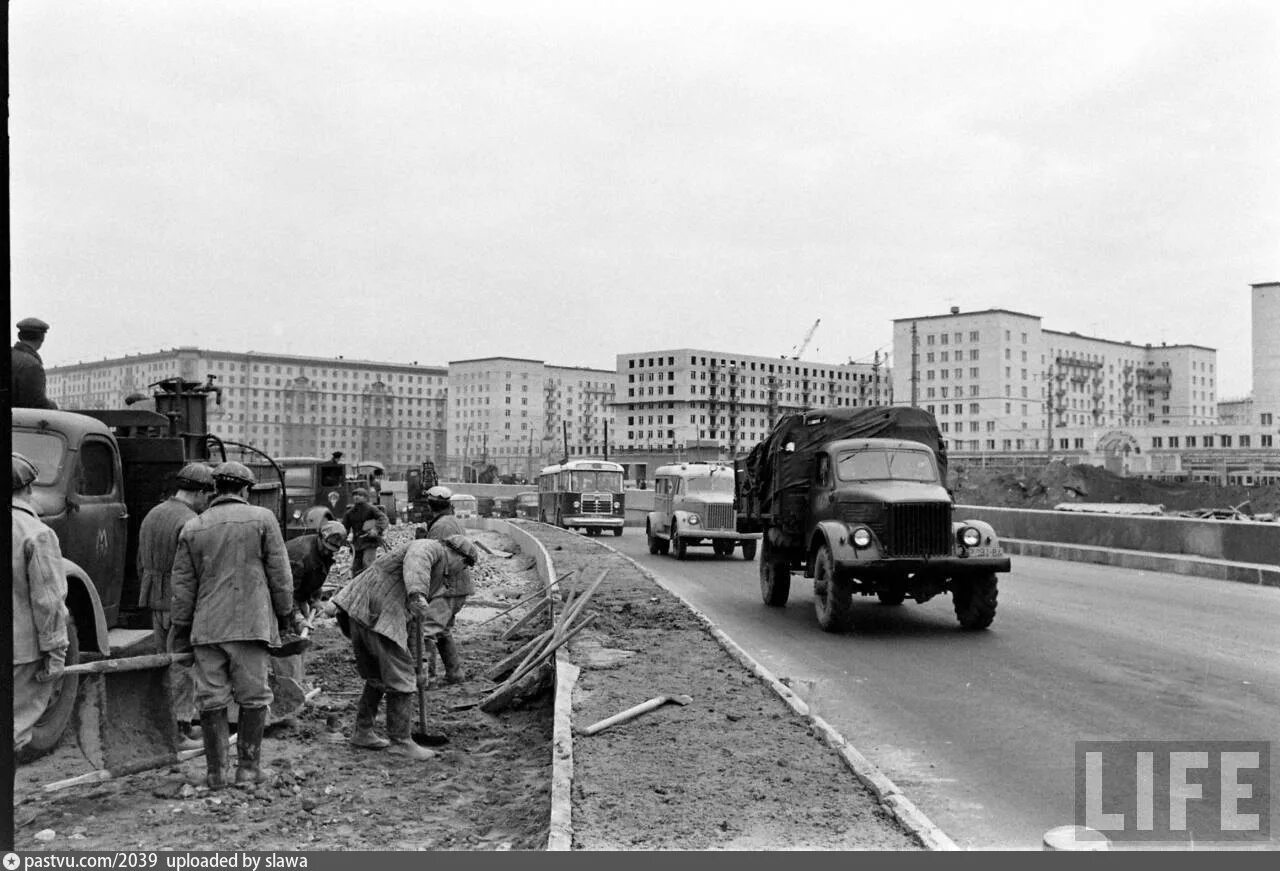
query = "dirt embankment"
{"x": 1059, "y": 482}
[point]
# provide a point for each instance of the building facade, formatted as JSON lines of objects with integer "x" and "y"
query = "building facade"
{"x": 519, "y": 415}
{"x": 1266, "y": 351}
{"x": 286, "y": 405}
{"x": 677, "y": 401}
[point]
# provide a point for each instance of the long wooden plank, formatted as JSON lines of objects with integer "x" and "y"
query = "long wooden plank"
{"x": 130, "y": 663}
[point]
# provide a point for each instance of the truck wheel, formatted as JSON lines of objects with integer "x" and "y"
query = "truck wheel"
{"x": 53, "y": 723}
{"x": 654, "y": 541}
{"x": 679, "y": 545}
{"x": 617, "y": 530}
{"x": 832, "y": 599}
{"x": 749, "y": 549}
{"x": 775, "y": 578}
{"x": 891, "y": 597}
{"x": 722, "y": 548}
{"x": 975, "y": 601}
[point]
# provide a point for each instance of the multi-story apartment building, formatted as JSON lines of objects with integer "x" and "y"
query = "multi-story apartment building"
{"x": 286, "y": 405}
{"x": 997, "y": 381}
{"x": 520, "y": 415}
{"x": 673, "y": 400}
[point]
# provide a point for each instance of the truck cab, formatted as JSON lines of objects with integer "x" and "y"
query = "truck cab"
{"x": 856, "y": 500}
{"x": 693, "y": 506}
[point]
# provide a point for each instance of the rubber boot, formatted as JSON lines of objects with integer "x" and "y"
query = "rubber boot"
{"x": 214, "y": 734}
{"x": 249, "y": 770}
{"x": 399, "y": 715}
{"x": 453, "y": 672}
{"x": 366, "y": 713}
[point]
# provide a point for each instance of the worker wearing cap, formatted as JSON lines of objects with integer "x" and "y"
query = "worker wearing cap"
{"x": 438, "y": 625}
{"x": 365, "y": 523}
{"x": 157, "y": 544}
{"x": 40, "y": 622}
{"x": 232, "y": 598}
{"x": 28, "y": 369}
{"x": 377, "y": 610}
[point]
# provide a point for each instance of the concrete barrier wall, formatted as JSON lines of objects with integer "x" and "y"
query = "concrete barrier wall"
{"x": 1212, "y": 539}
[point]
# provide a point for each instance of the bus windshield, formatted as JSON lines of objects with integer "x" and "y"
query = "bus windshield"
{"x": 608, "y": 482}
{"x": 711, "y": 484}
{"x": 886, "y": 465}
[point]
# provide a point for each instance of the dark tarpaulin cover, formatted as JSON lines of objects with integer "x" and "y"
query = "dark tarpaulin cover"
{"x": 773, "y": 473}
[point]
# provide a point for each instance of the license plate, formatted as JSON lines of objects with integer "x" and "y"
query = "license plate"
{"x": 981, "y": 552}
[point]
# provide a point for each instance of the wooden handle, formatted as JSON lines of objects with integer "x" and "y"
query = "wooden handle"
{"x": 130, "y": 663}
{"x": 623, "y": 716}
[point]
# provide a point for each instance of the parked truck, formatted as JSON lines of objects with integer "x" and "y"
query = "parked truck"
{"x": 99, "y": 473}
{"x": 856, "y": 499}
{"x": 418, "y": 481}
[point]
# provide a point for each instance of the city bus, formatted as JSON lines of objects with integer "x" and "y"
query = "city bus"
{"x": 582, "y": 494}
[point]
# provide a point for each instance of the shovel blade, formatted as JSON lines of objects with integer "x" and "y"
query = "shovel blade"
{"x": 126, "y": 718}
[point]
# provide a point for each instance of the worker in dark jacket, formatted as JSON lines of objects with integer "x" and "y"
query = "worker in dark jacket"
{"x": 310, "y": 559}
{"x": 28, "y": 368}
{"x": 379, "y": 611}
{"x": 365, "y": 523}
{"x": 157, "y": 544}
{"x": 441, "y": 525}
{"x": 232, "y": 598}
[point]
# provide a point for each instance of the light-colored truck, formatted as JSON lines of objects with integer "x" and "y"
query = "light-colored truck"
{"x": 693, "y": 505}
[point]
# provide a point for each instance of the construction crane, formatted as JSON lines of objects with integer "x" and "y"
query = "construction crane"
{"x": 804, "y": 343}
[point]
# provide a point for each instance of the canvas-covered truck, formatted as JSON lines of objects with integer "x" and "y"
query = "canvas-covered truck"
{"x": 856, "y": 499}
{"x": 693, "y": 505}
{"x": 98, "y": 474}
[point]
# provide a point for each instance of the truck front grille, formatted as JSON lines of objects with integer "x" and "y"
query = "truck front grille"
{"x": 917, "y": 529}
{"x": 719, "y": 517}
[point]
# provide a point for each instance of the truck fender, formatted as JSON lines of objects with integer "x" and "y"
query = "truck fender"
{"x": 651, "y": 523}
{"x": 315, "y": 516}
{"x": 680, "y": 517}
{"x": 835, "y": 535}
{"x": 988, "y": 532}
{"x": 86, "y": 610}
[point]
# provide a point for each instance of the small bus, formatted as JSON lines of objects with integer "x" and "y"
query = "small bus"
{"x": 582, "y": 494}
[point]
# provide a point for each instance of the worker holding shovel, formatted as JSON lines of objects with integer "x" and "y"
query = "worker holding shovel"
{"x": 380, "y": 611}
{"x": 441, "y": 526}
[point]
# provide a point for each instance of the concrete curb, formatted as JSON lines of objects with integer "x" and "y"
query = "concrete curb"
{"x": 904, "y": 811}
{"x": 560, "y": 823}
{"x": 1176, "y": 564}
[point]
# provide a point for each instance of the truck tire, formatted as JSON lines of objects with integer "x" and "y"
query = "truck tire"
{"x": 617, "y": 530}
{"x": 653, "y": 540}
{"x": 722, "y": 548}
{"x": 749, "y": 549}
{"x": 775, "y": 578}
{"x": 678, "y": 545}
{"x": 832, "y": 599}
{"x": 975, "y": 601}
{"x": 891, "y": 597}
{"x": 55, "y": 720}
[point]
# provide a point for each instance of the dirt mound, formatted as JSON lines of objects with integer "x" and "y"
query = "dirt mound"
{"x": 1057, "y": 482}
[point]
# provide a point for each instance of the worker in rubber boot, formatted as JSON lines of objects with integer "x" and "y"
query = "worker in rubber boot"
{"x": 378, "y": 611}
{"x": 40, "y": 621}
{"x": 365, "y": 522}
{"x": 232, "y": 598}
{"x": 440, "y": 526}
{"x": 157, "y": 544}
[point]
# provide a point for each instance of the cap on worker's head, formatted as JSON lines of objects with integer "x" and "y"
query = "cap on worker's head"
{"x": 360, "y": 491}
{"x": 195, "y": 476}
{"x": 24, "y": 471}
{"x": 332, "y": 527}
{"x": 33, "y": 325}
{"x": 233, "y": 471}
{"x": 439, "y": 494}
{"x": 462, "y": 546}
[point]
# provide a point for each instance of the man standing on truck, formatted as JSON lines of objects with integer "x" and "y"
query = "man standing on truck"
{"x": 40, "y": 623}
{"x": 365, "y": 523}
{"x": 379, "y": 611}
{"x": 157, "y": 544}
{"x": 27, "y": 368}
{"x": 440, "y": 526}
{"x": 232, "y": 597}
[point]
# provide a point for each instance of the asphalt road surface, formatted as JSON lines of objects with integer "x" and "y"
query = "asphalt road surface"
{"x": 979, "y": 729}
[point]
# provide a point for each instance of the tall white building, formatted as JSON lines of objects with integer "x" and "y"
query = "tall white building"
{"x": 520, "y": 415}
{"x": 1266, "y": 351}
{"x": 285, "y": 405}
{"x": 676, "y": 399}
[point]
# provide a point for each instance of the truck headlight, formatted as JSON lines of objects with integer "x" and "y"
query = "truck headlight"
{"x": 297, "y": 514}
{"x": 861, "y": 537}
{"x": 576, "y": 504}
{"x": 970, "y": 537}
{"x": 693, "y": 520}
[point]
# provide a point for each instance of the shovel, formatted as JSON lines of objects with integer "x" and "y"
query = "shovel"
{"x": 422, "y": 737}
{"x": 292, "y": 645}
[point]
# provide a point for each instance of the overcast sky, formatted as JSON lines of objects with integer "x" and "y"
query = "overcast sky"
{"x": 562, "y": 181}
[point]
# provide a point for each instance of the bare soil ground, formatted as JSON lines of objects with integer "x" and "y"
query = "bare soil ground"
{"x": 736, "y": 769}
{"x": 1060, "y": 482}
